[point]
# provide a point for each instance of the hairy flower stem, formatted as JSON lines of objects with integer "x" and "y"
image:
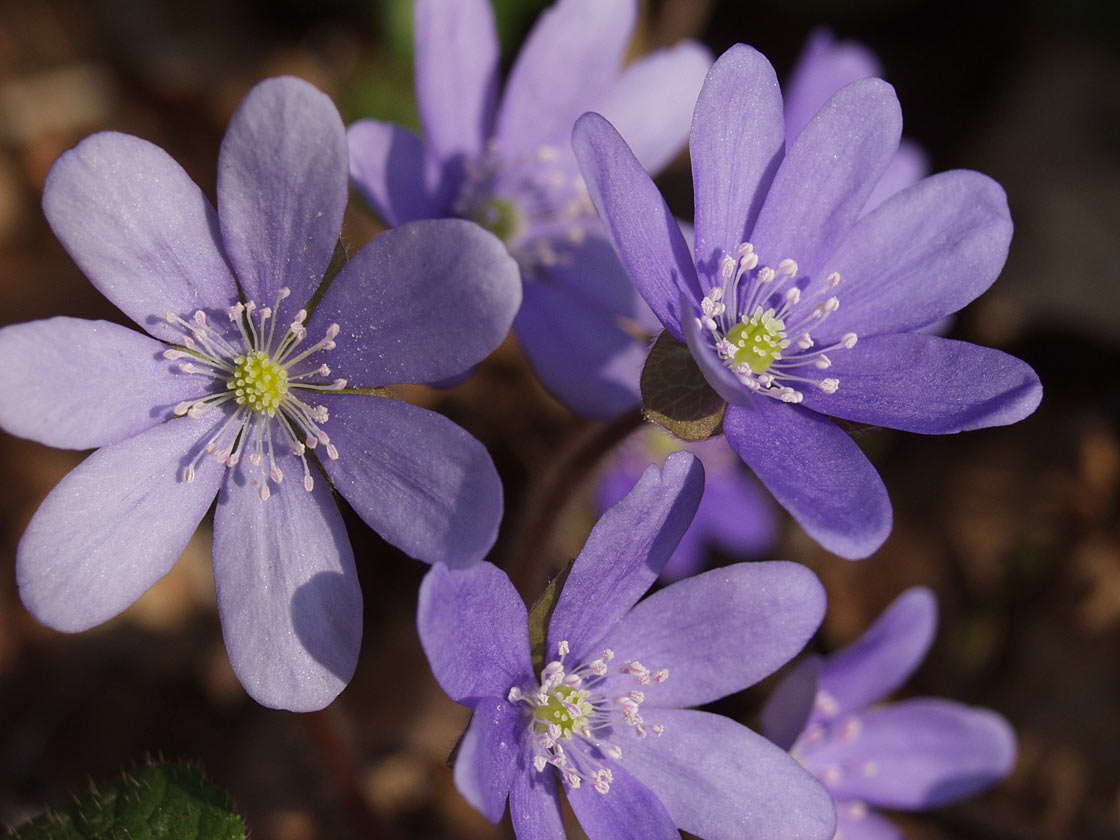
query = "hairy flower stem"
{"x": 529, "y": 564}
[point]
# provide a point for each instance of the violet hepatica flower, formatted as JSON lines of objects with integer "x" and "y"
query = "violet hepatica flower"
{"x": 910, "y": 755}
{"x": 248, "y": 391}
{"x": 734, "y": 514}
{"x": 506, "y": 163}
{"x": 795, "y": 307}
{"x": 605, "y": 718}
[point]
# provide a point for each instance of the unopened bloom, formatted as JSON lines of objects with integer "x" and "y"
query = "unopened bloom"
{"x": 251, "y": 389}
{"x": 505, "y": 161}
{"x": 605, "y": 718}
{"x": 795, "y": 305}
{"x": 909, "y": 755}
{"x": 734, "y": 514}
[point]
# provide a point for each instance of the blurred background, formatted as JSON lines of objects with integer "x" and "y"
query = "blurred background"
{"x": 1016, "y": 529}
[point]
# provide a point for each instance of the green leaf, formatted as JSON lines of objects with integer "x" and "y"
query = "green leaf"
{"x": 676, "y": 395}
{"x": 157, "y": 802}
{"x": 541, "y": 614}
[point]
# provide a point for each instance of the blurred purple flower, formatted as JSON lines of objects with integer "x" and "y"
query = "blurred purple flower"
{"x": 910, "y": 755}
{"x": 777, "y": 231}
{"x": 507, "y": 164}
{"x": 238, "y": 367}
{"x": 608, "y": 712}
{"x": 734, "y": 515}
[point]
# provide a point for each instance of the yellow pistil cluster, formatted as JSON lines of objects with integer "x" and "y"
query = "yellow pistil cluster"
{"x": 258, "y": 382}
{"x": 558, "y": 710}
{"x": 758, "y": 340}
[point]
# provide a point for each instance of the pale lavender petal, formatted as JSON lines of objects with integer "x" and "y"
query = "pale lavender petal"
{"x": 736, "y": 514}
{"x": 919, "y": 753}
{"x": 389, "y": 166}
{"x": 534, "y": 802}
{"x": 715, "y": 372}
{"x": 416, "y": 478}
{"x": 115, "y": 525}
{"x": 644, "y": 232}
{"x": 855, "y": 822}
{"x": 884, "y": 657}
{"x": 582, "y": 354}
{"x": 592, "y": 272}
{"x": 139, "y": 228}
{"x": 790, "y": 704}
{"x": 456, "y": 74}
{"x": 282, "y": 188}
{"x": 691, "y": 556}
{"x": 475, "y": 631}
{"x": 824, "y": 66}
{"x": 652, "y": 101}
{"x": 488, "y": 755}
{"x": 908, "y": 166}
{"x": 815, "y": 471}
{"x": 828, "y": 175}
{"x": 628, "y": 811}
{"x": 625, "y": 553}
{"x": 420, "y": 303}
{"x": 923, "y": 383}
{"x": 922, "y": 255}
{"x": 572, "y": 54}
{"x": 720, "y": 631}
{"x": 81, "y": 384}
{"x": 721, "y": 781}
{"x": 736, "y": 145}
{"x": 288, "y": 593}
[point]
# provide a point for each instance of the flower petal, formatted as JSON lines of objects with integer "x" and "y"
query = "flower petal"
{"x": 288, "y": 593}
{"x": 815, "y": 471}
{"x": 115, "y": 525}
{"x": 534, "y": 802}
{"x": 824, "y": 66}
{"x": 389, "y": 167}
{"x": 736, "y": 145}
{"x": 735, "y": 513}
{"x": 855, "y": 822}
{"x": 643, "y": 230}
{"x": 721, "y": 781}
{"x": 475, "y": 631}
{"x": 828, "y": 175}
{"x": 715, "y": 372}
{"x": 420, "y": 303}
{"x": 652, "y": 101}
{"x": 488, "y": 754}
{"x": 80, "y": 384}
{"x": 917, "y": 754}
{"x": 928, "y": 384}
{"x": 572, "y": 53}
{"x": 581, "y": 353}
{"x": 282, "y": 188}
{"x": 139, "y": 228}
{"x": 790, "y": 704}
{"x": 456, "y": 74}
{"x": 924, "y": 254}
{"x": 625, "y": 553}
{"x": 908, "y": 166}
{"x": 628, "y": 811}
{"x": 885, "y": 656}
{"x": 420, "y": 481}
{"x": 720, "y": 631}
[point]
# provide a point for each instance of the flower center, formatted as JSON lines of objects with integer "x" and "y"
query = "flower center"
{"x": 537, "y": 204}
{"x": 750, "y": 317}
{"x": 258, "y": 382}
{"x": 262, "y": 370}
{"x": 574, "y": 706}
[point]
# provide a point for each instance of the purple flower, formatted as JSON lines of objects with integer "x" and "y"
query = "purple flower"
{"x": 734, "y": 514}
{"x": 780, "y": 244}
{"x": 606, "y": 718}
{"x": 507, "y": 164}
{"x": 249, "y": 391}
{"x": 911, "y": 755}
